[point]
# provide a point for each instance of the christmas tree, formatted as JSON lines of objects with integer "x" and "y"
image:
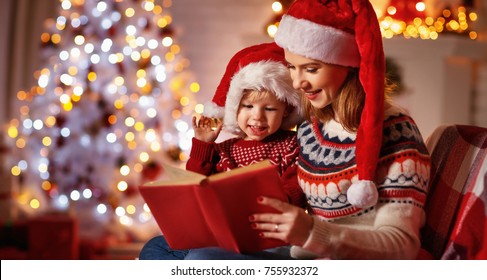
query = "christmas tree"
{"x": 114, "y": 100}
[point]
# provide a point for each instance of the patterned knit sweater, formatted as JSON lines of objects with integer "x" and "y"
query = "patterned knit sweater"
{"x": 281, "y": 148}
{"x": 327, "y": 167}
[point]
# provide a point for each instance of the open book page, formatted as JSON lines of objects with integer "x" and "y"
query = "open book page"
{"x": 177, "y": 176}
{"x": 243, "y": 170}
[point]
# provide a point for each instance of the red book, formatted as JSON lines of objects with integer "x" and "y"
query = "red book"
{"x": 195, "y": 211}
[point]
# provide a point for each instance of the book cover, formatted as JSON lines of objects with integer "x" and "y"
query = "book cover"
{"x": 195, "y": 211}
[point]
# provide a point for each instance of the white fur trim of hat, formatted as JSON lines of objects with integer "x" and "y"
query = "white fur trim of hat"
{"x": 263, "y": 75}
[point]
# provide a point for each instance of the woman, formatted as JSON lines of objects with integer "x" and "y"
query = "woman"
{"x": 363, "y": 164}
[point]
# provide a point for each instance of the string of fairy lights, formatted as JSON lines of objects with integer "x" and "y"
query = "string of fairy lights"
{"x": 457, "y": 21}
{"x": 407, "y": 19}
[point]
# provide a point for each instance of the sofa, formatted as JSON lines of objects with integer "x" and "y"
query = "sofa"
{"x": 456, "y": 206}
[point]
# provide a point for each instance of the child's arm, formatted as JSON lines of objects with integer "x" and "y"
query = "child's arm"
{"x": 203, "y": 130}
{"x": 202, "y": 157}
{"x": 289, "y": 175}
{"x": 295, "y": 194}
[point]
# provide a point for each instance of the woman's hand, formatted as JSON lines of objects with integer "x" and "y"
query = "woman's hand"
{"x": 204, "y": 131}
{"x": 292, "y": 225}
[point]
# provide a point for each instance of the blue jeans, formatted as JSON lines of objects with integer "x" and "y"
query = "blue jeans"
{"x": 213, "y": 253}
{"x": 158, "y": 249}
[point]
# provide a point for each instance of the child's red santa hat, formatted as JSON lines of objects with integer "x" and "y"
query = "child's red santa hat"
{"x": 259, "y": 67}
{"x": 347, "y": 33}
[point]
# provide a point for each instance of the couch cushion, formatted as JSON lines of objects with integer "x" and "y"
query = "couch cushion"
{"x": 456, "y": 225}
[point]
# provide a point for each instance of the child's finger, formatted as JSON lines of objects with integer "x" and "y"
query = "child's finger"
{"x": 219, "y": 127}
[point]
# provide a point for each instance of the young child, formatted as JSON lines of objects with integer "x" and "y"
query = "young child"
{"x": 256, "y": 100}
{"x": 258, "y": 104}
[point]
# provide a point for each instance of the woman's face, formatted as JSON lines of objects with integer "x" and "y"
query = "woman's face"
{"x": 318, "y": 81}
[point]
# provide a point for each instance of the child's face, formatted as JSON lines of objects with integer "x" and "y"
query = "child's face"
{"x": 260, "y": 114}
{"x": 319, "y": 82}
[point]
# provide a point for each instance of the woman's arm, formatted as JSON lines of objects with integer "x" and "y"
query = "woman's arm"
{"x": 393, "y": 235}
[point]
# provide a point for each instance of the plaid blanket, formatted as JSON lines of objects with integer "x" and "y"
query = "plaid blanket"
{"x": 456, "y": 207}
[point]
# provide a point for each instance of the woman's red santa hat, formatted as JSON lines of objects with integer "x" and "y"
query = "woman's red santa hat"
{"x": 259, "y": 67}
{"x": 347, "y": 33}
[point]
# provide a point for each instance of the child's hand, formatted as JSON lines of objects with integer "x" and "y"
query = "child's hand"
{"x": 203, "y": 130}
